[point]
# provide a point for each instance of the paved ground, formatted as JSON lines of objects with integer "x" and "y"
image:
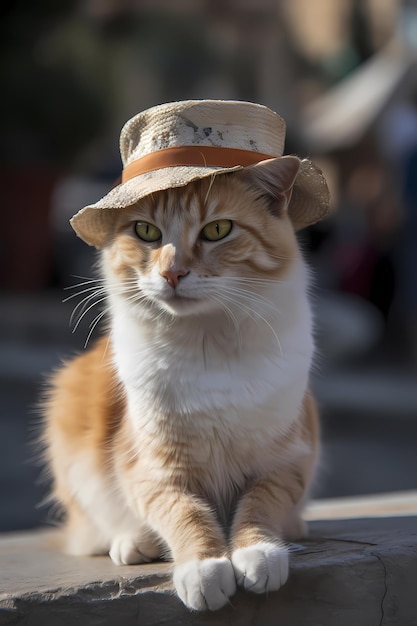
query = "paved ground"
{"x": 359, "y": 571}
{"x": 369, "y": 413}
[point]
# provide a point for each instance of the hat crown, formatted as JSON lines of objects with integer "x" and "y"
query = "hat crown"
{"x": 219, "y": 123}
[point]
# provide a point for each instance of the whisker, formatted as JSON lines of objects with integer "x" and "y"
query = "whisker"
{"x": 253, "y": 298}
{"x": 79, "y": 293}
{"x": 84, "y": 303}
{"x": 85, "y": 277}
{"x": 88, "y": 281}
{"x": 86, "y": 311}
{"x": 251, "y": 281}
{"x": 106, "y": 347}
{"x": 212, "y": 179}
{"x": 93, "y": 292}
{"x": 94, "y": 324}
{"x": 138, "y": 296}
{"x": 228, "y": 311}
{"x": 253, "y": 314}
{"x": 248, "y": 294}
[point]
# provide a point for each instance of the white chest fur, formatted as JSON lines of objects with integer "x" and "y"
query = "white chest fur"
{"x": 228, "y": 372}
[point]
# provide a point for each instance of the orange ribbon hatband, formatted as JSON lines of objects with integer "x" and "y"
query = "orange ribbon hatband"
{"x": 198, "y": 156}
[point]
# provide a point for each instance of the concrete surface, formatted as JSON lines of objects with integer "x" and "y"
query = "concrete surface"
{"x": 397, "y": 504}
{"x": 348, "y": 573}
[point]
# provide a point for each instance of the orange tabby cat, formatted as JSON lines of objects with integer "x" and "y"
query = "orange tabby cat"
{"x": 189, "y": 431}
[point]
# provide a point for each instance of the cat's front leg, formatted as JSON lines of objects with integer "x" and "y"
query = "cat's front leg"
{"x": 203, "y": 575}
{"x": 259, "y": 554}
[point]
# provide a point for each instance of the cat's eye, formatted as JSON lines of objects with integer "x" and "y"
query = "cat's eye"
{"x": 147, "y": 232}
{"x": 214, "y": 231}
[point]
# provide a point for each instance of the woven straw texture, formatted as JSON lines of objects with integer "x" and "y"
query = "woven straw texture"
{"x": 224, "y": 124}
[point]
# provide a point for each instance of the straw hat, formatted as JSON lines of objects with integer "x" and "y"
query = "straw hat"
{"x": 172, "y": 144}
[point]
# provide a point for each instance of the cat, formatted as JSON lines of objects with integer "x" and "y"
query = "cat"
{"x": 188, "y": 431}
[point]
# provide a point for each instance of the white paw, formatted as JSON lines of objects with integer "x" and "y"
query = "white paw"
{"x": 127, "y": 550}
{"x": 261, "y": 567}
{"x": 205, "y": 584}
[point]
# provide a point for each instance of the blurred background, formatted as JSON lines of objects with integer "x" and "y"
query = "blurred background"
{"x": 342, "y": 73}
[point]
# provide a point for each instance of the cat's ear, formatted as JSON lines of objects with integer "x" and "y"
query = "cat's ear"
{"x": 275, "y": 179}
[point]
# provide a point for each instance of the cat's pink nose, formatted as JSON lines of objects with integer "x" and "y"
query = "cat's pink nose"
{"x": 173, "y": 277}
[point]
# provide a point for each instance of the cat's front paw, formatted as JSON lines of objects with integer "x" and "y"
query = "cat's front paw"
{"x": 127, "y": 550}
{"x": 205, "y": 584}
{"x": 261, "y": 567}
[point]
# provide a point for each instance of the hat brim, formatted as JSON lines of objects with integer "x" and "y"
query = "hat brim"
{"x": 309, "y": 202}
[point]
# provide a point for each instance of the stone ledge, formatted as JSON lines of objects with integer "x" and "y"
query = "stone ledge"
{"x": 397, "y": 504}
{"x": 357, "y": 572}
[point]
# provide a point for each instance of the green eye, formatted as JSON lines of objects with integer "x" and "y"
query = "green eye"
{"x": 147, "y": 232}
{"x": 214, "y": 231}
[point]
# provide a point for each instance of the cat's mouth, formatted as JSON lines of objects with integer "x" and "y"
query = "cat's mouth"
{"x": 181, "y": 304}
{"x": 180, "y": 299}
